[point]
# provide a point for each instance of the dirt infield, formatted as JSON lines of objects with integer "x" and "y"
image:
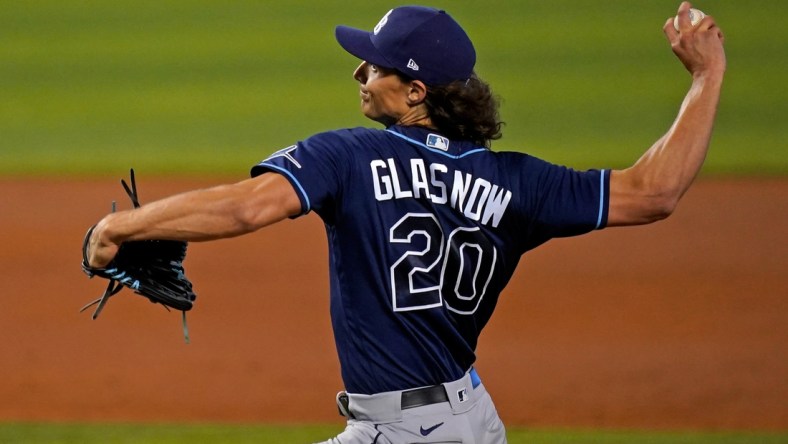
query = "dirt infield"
{"x": 683, "y": 324}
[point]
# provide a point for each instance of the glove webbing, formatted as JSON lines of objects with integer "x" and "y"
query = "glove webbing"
{"x": 114, "y": 288}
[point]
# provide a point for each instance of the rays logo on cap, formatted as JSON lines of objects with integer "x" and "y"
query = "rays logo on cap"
{"x": 439, "y": 142}
{"x": 382, "y": 22}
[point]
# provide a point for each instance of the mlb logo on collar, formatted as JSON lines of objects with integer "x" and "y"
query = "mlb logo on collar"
{"x": 439, "y": 142}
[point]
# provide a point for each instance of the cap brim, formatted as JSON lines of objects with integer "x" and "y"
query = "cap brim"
{"x": 358, "y": 42}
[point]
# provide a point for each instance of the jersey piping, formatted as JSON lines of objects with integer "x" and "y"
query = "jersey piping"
{"x": 294, "y": 181}
{"x": 442, "y": 153}
{"x": 601, "y": 198}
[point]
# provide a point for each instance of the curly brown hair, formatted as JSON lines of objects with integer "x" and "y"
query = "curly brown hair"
{"x": 465, "y": 110}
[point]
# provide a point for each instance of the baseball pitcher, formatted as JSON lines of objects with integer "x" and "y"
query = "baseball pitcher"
{"x": 425, "y": 223}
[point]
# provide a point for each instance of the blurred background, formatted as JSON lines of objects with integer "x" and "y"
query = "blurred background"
{"x": 193, "y": 93}
{"x": 208, "y": 87}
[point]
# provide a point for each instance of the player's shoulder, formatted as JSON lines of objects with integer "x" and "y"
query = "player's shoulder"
{"x": 339, "y": 147}
{"x": 346, "y": 134}
{"x": 516, "y": 159}
{"x": 523, "y": 158}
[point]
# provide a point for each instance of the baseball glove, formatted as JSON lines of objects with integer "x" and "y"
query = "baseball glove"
{"x": 151, "y": 268}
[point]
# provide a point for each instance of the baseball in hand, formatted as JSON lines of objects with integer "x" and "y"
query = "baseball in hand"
{"x": 696, "y": 15}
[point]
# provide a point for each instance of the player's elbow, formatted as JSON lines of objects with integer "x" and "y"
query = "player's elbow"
{"x": 639, "y": 202}
{"x": 245, "y": 221}
{"x": 250, "y": 216}
{"x": 665, "y": 195}
{"x": 661, "y": 207}
{"x": 258, "y": 207}
{"x": 644, "y": 211}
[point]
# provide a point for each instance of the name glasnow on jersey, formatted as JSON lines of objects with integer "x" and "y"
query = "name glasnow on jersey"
{"x": 475, "y": 197}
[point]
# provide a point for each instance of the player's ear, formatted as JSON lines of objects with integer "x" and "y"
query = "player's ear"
{"x": 417, "y": 92}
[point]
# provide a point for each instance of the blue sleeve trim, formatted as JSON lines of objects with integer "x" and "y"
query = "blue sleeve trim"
{"x": 603, "y": 192}
{"x": 294, "y": 181}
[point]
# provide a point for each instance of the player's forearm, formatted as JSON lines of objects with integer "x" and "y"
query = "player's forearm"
{"x": 193, "y": 216}
{"x": 201, "y": 215}
{"x": 670, "y": 167}
{"x": 656, "y": 182}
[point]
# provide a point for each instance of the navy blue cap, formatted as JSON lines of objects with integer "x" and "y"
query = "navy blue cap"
{"x": 423, "y": 43}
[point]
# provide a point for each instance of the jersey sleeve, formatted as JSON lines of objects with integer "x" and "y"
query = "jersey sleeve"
{"x": 313, "y": 166}
{"x": 562, "y": 202}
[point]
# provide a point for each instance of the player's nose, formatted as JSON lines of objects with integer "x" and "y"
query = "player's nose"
{"x": 360, "y": 74}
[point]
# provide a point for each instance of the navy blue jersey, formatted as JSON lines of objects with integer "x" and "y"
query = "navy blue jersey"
{"x": 424, "y": 233}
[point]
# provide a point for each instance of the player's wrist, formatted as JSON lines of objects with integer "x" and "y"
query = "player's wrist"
{"x": 710, "y": 74}
{"x": 109, "y": 231}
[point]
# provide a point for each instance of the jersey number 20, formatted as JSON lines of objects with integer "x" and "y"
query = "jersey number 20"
{"x": 454, "y": 272}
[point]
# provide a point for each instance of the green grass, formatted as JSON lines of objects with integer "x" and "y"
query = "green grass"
{"x": 238, "y": 434}
{"x": 204, "y": 87}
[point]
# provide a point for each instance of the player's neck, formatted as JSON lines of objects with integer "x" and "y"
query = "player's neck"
{"x": 416, "y": 116}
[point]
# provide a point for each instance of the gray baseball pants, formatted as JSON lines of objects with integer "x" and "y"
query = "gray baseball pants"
{"x": 455, "y": 412}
